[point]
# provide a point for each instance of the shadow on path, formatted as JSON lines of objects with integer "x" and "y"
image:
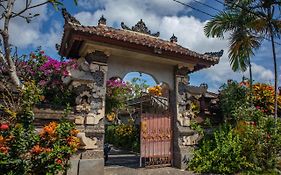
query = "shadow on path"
{"x": 123, "y": 158}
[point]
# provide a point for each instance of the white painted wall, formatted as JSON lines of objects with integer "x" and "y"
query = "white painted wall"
{"x": 120, "y": 66}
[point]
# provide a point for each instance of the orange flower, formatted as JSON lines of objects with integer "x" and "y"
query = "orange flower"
{"x": 42, "y": 98}
{"x": 36, "y": 149}
{"x": 73, "y": 141}
{"x": 74, "y": 132}
{"x": 2, "y": 140}
{"x": 50, "y": 129}
{"x": 47, "y": 150}
{"x": 4, "y": 149}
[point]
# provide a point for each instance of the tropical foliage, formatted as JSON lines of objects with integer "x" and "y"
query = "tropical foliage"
{"x": 247, "y": 23}
{"x": 249, "y": 141}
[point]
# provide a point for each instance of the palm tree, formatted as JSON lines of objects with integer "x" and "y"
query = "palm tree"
{"x": 237, "y": 24}
{"x": 248, "y": 22}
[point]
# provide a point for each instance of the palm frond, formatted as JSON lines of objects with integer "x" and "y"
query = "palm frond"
{"x": 221, "y": 23}
{"x": 242, "y": 46}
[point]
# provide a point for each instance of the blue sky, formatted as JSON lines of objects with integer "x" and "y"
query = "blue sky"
{"x": 165, "y": 16}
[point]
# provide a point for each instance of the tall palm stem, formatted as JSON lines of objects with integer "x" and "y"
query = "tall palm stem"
{"x": 275, "y": 75}
{"x": 274, "y": 60}
{"x": 251, "y": 82}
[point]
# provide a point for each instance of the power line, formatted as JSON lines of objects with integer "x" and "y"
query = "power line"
{"x": 204, "y": 4}
{"x": 241, "y": 7}
{"x": 187, "y": 5}
{"x": 206, "y": 13}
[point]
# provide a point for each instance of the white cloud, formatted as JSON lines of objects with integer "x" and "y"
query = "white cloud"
{"x": 158, "y": 7}
{"x": 262, "y": 74}
{"x": 23, "y": 34}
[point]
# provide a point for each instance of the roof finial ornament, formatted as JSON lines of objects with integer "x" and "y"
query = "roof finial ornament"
{"x": 215, "y": 54}
{"x": 140, "y": 27}
{"x": 173, "y": 39}
{"x": 102, "y": 21}
{"x": 68, "y": 18}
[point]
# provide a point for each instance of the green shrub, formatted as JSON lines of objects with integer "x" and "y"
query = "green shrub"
{"x": 220, "y": 154}
{"x": 251, "y": 146}
{"x": 125, "y": 136}
{"x": 232, "y": 96}
{"x": 260, "y": 138}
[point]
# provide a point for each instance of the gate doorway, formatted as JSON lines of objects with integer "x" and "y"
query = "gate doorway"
{"x": 149, "y": 116}
{"x": 155, "y": 130}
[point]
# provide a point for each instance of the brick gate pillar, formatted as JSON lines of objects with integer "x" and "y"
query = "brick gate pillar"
{"x": 88, "y": 81}
{"x": 184, "y": 137}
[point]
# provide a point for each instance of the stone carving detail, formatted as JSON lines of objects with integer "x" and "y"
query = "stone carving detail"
{"x": 88, "y": 82}
{"x": 140, "y": 27}
{"x": 185, "y": 113}
{"x": 86, "y": 142}
{"x": 190, "y": 140}
{"x": 83, "y": 102}
{"x": 173, "y": 39}
{"x": 98, "y": 77}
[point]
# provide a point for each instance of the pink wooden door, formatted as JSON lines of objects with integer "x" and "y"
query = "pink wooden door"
{"x": 156, "y": 139}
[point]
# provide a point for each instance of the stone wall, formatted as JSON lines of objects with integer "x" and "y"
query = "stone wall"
{"x": 89, "y": 84}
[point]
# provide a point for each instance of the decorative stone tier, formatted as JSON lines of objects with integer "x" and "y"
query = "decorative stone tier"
{"x": 184, "y": 137}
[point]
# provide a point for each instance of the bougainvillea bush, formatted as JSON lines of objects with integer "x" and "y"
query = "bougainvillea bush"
{"x": 47, "y": 73}
{"x": 117, "y": 92}
{"x": 23, "y": 150}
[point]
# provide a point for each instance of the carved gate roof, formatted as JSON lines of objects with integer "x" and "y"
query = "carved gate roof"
{"x": 133, "y": 38}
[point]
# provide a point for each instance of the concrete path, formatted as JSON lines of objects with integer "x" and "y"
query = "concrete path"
{"x": 122, "y": 162}
{"x": 144, "y": 171}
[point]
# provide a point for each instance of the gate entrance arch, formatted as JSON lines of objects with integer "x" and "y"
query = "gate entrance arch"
{"x": 103, "y": 52}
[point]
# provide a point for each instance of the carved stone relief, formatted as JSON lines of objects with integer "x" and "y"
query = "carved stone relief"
{"x": 185, "y": 113}
{"x": 98, "y": 77}
{"x": 86, "y": 142}
{"x": 90, "y": 99}
{"x": 190, "y": 140}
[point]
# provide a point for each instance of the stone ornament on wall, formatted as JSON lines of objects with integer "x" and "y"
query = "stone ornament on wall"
{"x": 190, "y": 140}
{"x": 184, "y": 102}
{"x": 86, "y": 142}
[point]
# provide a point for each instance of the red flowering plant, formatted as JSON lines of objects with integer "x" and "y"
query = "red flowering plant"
{"x": 22, "y": 149}
{"x": 263, "y": 98}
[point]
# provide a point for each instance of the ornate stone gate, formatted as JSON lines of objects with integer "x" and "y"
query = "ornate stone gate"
{"x": 103, "y": 52}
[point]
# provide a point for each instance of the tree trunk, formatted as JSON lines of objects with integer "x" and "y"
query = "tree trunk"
{"x": 5, "y": 35}
{"x": 269, "y": 13}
